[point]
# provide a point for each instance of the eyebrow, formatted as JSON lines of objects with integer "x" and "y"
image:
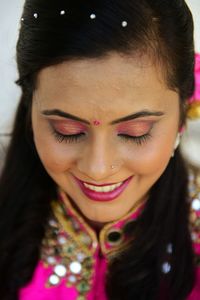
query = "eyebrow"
{"x": 139, "y": 114}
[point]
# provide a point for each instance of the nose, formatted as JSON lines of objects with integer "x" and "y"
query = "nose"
{"x": 97, "y": 160}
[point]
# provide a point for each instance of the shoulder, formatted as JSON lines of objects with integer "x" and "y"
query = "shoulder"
{"x": 194, "y": 217}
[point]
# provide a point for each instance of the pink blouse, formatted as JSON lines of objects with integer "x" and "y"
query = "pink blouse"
{"x": 74, "y": 261}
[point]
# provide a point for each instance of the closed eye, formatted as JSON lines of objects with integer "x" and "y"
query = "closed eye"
{"x": 139, "y": 140}
{"x": 75, "y": 138}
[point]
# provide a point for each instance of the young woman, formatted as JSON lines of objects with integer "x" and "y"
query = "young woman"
{"x": 96, "y": 201}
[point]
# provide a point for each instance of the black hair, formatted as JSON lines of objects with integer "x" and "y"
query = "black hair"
{"x": 163, "y": 29}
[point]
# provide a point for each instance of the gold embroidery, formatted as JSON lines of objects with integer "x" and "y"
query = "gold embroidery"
{"x": 105, "y": 230}
{"x": 70, "y": 259}
{"x": 70, "y": 245}
{"x": 80, "y": 220}
{"x": 194, "y": 199}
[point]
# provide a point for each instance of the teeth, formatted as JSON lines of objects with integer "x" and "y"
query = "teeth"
{"x": 104, "y": 189}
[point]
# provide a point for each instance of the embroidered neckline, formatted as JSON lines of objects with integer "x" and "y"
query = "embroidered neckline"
{"x": 113, "y": 228}
{"x": 70, "y": 246}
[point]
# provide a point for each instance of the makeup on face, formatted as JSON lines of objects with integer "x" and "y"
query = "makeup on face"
{"x": 132, "y": 128}
{"x": 96, "y": 123}
{"x": 134, "y": 116}
{"x": 135, "y": 128}
{"x": 106, "y": 193}
{"x": 68, "y": 127}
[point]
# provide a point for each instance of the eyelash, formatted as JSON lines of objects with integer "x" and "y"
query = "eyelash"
{"x": 75, "y": 138}
{"x": 72, "y": 138}
{"x": 139, "y": 140}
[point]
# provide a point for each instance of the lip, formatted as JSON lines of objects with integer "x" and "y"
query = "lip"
{"x": 102, "y": 196}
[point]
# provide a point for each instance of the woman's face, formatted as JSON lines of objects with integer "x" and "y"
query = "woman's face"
{"x": 90, "y": 114}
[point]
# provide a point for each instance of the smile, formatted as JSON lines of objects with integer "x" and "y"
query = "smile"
{"x": 103, "y": 189}
{"x": 106, "y": 192}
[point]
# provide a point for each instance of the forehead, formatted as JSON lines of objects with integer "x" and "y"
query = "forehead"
{"x": 115, "y": 68}
{"x": 103, "y": 83}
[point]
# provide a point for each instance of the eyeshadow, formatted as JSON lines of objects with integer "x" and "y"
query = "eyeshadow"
{"x": 68, "y": 126}
{"x": 134, "y": 127}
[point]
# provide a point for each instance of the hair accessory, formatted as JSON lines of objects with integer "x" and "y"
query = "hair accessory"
{"x": 62, "y": 12}
{"x": 124, "y": 23}
{"x": 193, "y": 111}
{"x": 92, "y": 16}
{"x": 166, "y": 267}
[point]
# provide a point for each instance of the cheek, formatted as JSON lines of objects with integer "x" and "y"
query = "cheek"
{"x": 152, "y": 157}
{"x": 56, "y": 157}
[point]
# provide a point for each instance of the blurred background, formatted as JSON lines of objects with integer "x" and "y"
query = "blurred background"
{"x": 10, "y": 15}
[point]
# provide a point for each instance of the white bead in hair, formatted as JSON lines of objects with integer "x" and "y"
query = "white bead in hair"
{"x": 62, "y": 12}
{"x": 166, "y": 267}
{"x": 169, "y": 248}
{"x": 22, "y": 19}
{"x": 35, "y": 15}
{"x": 124, "y": 23}
{"x": 92, "y": 16}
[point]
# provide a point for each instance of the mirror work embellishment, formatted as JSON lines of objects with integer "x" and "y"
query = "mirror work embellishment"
{"x": 194, "y": 199}
{"x": 63, "y": 254}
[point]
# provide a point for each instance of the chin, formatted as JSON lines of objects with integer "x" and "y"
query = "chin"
{"x": 102, "y": 218}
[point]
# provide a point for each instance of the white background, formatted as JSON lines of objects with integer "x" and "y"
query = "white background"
{"x": 10, "y": 14}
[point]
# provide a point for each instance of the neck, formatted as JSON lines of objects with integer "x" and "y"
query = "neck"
{"x": 94, "y": 224}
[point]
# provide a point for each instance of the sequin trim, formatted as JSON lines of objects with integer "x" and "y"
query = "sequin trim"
{"x": 70, "y": 262}
{"x": 194, "y": 220}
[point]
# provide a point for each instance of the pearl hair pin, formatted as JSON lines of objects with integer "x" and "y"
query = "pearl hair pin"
{"x": 124, "y": 23}
{"x": 92, "y": 16}
{"x": 63, "y": 12}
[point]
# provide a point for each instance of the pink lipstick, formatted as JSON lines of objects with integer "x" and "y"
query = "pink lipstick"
{"x": 102, "y": 196}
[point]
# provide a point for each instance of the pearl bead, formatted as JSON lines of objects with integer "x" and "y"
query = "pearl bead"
{"x": 54, "y": 279}
{"x": 92, "y": 16}
{"x": 60, "y": 270}
{"x": 166, "y": 267}
{"x": 124, "y": 23}
{"x": 196, "y": 204}
{"x": 169, "y": 248}
{"x": 75, "y": 267}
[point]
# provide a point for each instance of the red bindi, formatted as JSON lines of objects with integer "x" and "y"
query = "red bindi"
{"x": 96, "y": 122}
